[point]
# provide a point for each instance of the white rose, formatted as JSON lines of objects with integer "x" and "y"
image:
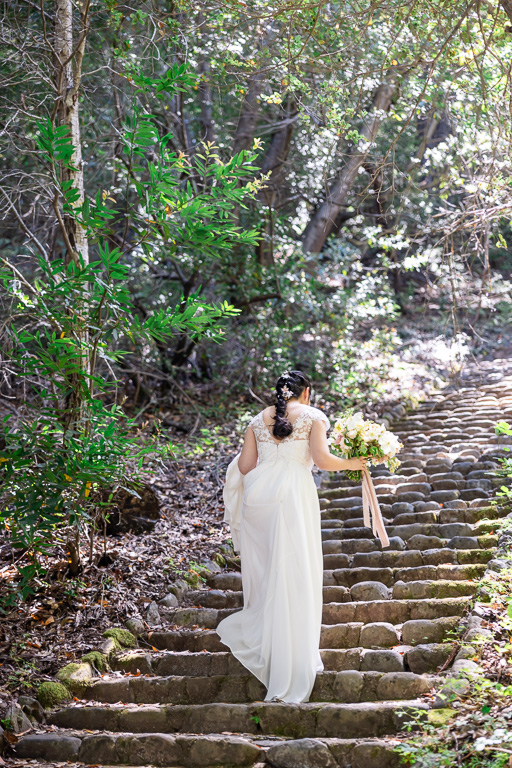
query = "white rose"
{"x": 389, "y": 443}
{"x": 352, "y": 433}
{"x": 370, "y": 432}
{"x": 355, "y": 421}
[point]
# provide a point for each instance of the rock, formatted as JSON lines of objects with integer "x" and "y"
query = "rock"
{"x": 427, "y": 658}
{"x": 469, "y": 494}
{"x": 410, "y": 497}
{"x": 455, "y": 504}
{"x": 373, "y": 755}
{"x": 418, "y": 631}
{"x": 51, "y": 694}
{"x": 454, "y": 688}
{"x": 32, "y": 708}
{"x": 465, "y": 665}
{"x": 179, "y": 588}
{"x": 169, "y": 601}
{"x": 463, "y": 542}
{"x": 301, "y": 753}
{"x": 401, "y": 507}
{"x": 382, "y": 661}
{"x": 369, "y": 590}
{"x": 379, "y": 633}
{"x": 48, "y": 746}
{"x": 128, "y": 512}
{"x": 402, "y": 685}
{"x": 463, "y": 466}
{"x": 450, "y": 530}
{"x": 16, "y": 719}
{"x": 444, "y": 496}
{"x": 120, "y": 636}
{"x": 419, "y": 541}
{"x": 76, "y": 676}
{"x": 348, "y": 686}
{"x": 426, "y": 506}
{"x": 153, "y": 617}
{"x": 136, "y": 626}
{"x": 478, "y": 635}
{"x": 396, "y": 543}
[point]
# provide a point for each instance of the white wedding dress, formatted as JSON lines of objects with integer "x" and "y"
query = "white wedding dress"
{"x": 274, "y": 515}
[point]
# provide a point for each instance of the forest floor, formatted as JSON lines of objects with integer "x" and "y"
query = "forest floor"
{"x": 67, "y": 617}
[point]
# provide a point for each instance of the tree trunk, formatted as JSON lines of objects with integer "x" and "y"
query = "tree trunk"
{"x": 205, "y": 90}
{"x": 322, "y": 222}
{"x": 270, "y": 196}
{"x": 507, "y": 7}
{"x": 68, "y": 66}
{"x": 246, "y": 126}
{"x": 67, "y": 69}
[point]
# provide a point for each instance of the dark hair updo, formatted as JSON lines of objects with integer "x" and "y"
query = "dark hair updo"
{"x": 289, "y": 384}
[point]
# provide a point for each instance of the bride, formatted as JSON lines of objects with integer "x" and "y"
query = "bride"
{"x": 273, "y": 511}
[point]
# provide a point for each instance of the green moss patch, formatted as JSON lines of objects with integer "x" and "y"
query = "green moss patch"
{"x": 97, "y": 660}
{"x": 50, "y": 694}
{"x": 441, "y": 716}
{"x": 75, "y": 676}
{"x": 121, "y": 636}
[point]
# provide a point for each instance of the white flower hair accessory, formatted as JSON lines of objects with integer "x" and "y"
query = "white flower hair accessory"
{"x": 286, "y": 393}
{"x": 285, "y": 375}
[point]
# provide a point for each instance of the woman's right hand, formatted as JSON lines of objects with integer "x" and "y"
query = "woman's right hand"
{"x": 357, "y": 464}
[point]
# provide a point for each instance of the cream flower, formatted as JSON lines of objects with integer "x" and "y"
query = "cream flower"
{"x": 355, "y": 421}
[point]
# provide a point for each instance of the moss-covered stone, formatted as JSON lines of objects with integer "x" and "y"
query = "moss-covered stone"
{"x": 451, "y": 589}
{"x": 488, "y": 526}
{"x": 110, "y": 646}
{"x": 471, "y": 556}
{"x": 121, "y": 636}
{"x": 75, "y": 676}
{"x": 441, "y": 716}
{"x": 51, "y": 694}
{"x": 97, "y": 660}
{"x": 195, "y": 578}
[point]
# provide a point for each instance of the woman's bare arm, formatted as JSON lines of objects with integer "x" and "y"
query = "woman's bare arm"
{"x": 249, "y": 456}
{"x": 321, "y": 454}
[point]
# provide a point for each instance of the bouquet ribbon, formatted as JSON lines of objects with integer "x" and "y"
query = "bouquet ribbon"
{"x": 370, "y": 503}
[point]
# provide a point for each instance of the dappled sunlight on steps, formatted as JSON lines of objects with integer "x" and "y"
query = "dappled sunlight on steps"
{"x": 182, "y": 700}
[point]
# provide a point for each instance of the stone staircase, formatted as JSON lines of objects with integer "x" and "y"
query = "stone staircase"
{"x": 181, "y": 699}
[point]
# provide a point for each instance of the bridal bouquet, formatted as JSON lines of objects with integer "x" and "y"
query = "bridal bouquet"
{"x": 354, "y": 436}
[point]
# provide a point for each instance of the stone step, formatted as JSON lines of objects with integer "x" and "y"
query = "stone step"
{"x": 444, "y": 532}
{"x": 456, "y": 511}
{"x": 160, "y": 749}
{"x": 334, "y": 613}
{"x": 165, "y": 663}
{"x": 349, "y": 576}
{"x": 345, "y": 686}
{"x": 377, "y": 559}
{"x": 417, "y": 541}
{"x": 392, "y": 611}
{"x": 220, "y": 599}
{"x": 316, "y": 719}
{"x": 138, "y": 748}
{"x": 366, "y": 625}
{"x": 420, "y": 590}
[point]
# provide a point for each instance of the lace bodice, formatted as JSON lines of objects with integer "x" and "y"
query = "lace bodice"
{"x": 296, "y": 445}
